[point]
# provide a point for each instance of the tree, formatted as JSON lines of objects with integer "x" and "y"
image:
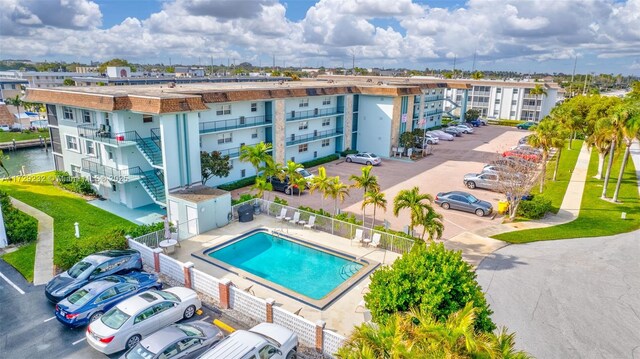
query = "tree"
{"x": 321, "y": 183}
{"x": 429, "y": 278}
{"x": 17, "y": 102}
{"x": 4, "y": 158}
{"x": 617, "y": 120}
{"x": 338, "y": 191}
{"x": 548, "y": 134}
{"x": 600, "y": 139}
{"x": 115, "y": 63}
{"x": 516, "y": 182}
{"x": 262, "y": 186}
{"x": 630, "y": 130}
{"x": 407, "y": 140}
{"x": 300, "y": 182}
{"x": 472, "y": 114}
{"x": 477, "y": 75}
{"x": 214, "y": 164}
{"x": 257, "y": 155}
{"x": 538, "y": 90}
{"x": 431, "y": 222}
{"x": 68, "y": 82}
{"x": 291, "y": 171}
{"x": 377, "y": 200}
{"x": 414, "y": 201}
{"x": 367, "y": 182}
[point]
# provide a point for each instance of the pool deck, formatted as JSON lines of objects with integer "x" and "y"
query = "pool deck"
{"x": 340, "y": 316}
{"x": 148, "y": 214}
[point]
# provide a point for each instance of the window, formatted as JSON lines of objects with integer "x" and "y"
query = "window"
{"x": 108, "y": 294}
{"x": 254, "y": 134}
{"x": 147, "y": 118}
{"x": 225, "y": 138}
{"x": 267, "y": 352}
{"x": 303, "y": 147}
{"x": 326, "y": 122}
{"x": 86, "y": 116}
{"x": 223, "y": 110}
{"x": 72, "y": 143}
{"x": 170, "y": 352}
{"x": 326, "y": 143}
{"x": 303, "y": 125}
{"x": 514, "y": 102}
{"x": 75, "y": 171}
{"x": 254, "y": 107}
{"x": 304, "y": 102}
{"x": 106, "y": 118}
{"x": 512, "y": 113}
{"x": 67, "y": 113}
{"x": 499, "y": 90}
{"x": 326, "y": 101}
{"x": 91, "y": 149}
{"x": 496, "y": 112}
{"x": 497, "y": 101}
{"x": 110, "y": 154}
{"x": 243, "y": 173}
{"x": 148, "y": 313}
{"x": 515, "y": 91}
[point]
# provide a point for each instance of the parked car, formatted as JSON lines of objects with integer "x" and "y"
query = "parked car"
{"x": 441, "y": 135}
{"x": 93, "y": 267}
{"x": 123, "y": 326}
{"x": 464, "y": 128}
{"x": 88, "y": 303}
{"x": 283, "y": 186}
{"x": 525, "y": 126}
{"x": 481, "y": 180}
{"x": 513, "y": 162}
{"x": 366, "y": 158}
{"x": 483, "y": 121}
{"x": 497, "y": 169}
{"x": 452, "y": 130}
{"x": 524, "y": 140}
{"x": 177, "y": 341}
{"x": 306, "y": 175}
{"x": 475, "y": 122}
{"x": 524, "y": 154}
{"x": 463, "y": 201}
{"x": 427, "y": 139}
{"x": 265, "y": 340}
{"x": 526, "y": 147}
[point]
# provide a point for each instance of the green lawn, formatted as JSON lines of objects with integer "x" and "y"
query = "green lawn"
{"x": 66, "y": 208}
{"x": 19, "y": 136}
{"x": 597, "y": 217}
{"x": 555, "y": 190}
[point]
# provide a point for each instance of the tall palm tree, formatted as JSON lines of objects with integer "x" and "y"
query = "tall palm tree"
{"x": 538, "y": 90}
{"x": 412, "y": 200}
{"x": 291, "y": 171}
{"x": 321, "y": 183}
{"x": 338, "y": 191}
{"x": 257, "y": 155}
{"x": 367, "y": 182}
{"x": 262, "y": 186}
{"x": 600, "y": 139}
{"x": 630, "y": 130}
{"x": 4, "y": 158}
{"x": 618, "y": 118}
{"x": 377, "y": 200}
{"x": 17, "y": 102}
{"x": 431, "y": 221}
{"x": 548, "y": 134}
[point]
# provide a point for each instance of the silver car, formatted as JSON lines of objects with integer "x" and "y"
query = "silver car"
{"x": 481, "y": 180}
{"x": 463, "y": 201}
{"x": 441, "y": 135}
{"x": 453, "y": 130}
{"x": 464, "y": 128}
{"x": 177, "y": 341}
{"x": 366, "y": 158}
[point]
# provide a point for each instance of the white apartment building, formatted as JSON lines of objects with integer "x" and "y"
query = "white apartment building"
{"x": 45, "y": 79}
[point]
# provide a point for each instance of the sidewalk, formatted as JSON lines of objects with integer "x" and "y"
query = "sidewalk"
{"x": 43, "y": 267}
{"x": 635, "y": 157}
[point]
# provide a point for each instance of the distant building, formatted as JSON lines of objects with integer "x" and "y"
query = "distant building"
{"x": 184, "y": 71}
{"x": 9, "y": 88}
{"x": 46, "y": 79}
{"x": 86, "y": 69}
{"x": 119, "y": 71}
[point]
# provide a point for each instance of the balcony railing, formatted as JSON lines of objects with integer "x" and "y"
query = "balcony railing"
{"x": 231, "y": 152}
{"x": 315, "y": 135}
{"x": 92, "y": 166}
{"x": 240, "y": 122}
{"x": 104, "y": 134}
{"x": 318, "y": 112}
{"x": 434, "y": 98}
{"x": 432, "y": 112}
{"x": 531, "y": 108}
{"x": 155, "y": 136}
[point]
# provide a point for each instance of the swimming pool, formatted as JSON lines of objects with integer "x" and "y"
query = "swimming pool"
{"x": 300, "y": 269}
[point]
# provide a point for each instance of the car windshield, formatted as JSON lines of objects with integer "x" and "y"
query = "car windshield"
{"x": 80, "y": 297}
{"x": 304, "y": 173}
{"x": 167, "y": 295}
{"x": 472, "y": 199}
{"x": 114, "y": 318}
{"x": 139, "y": 352}
{"x": 190, "y": 331}
{"x": 372, "y": 155}
{"x": 78, "y": 269}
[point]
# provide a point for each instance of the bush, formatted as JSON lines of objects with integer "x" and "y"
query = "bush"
{"x": 74, "y": 184}
{"x": 320, "y": 211}
{"x": 19, "y": 226}
{"x": 230, "y": 186}
{"x": 536, "y": 208}
{"x": 512, "y": 123}
{"x": 82, "y": 248}
{"x": 348, "y": 152}
{"x": 281, "y": 201}
{"x": 319, "y": 161}
{"x": 431, "y": 278}
{"x": 243, "y": 198}
{"x": 143, "y": 229}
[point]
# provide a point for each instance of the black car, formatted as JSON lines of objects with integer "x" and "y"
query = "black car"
{"x": 93, "y": 267}
{"x": 283, "y": 186}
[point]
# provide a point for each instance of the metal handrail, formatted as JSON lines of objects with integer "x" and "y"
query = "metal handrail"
{"x": 143, "y": 176}
{"x": 90, "y": 131}
{"x": 94, "y": 167}
{"x": 240, "y": 122}
{"x": 299, "y": 115}
{"x": 146, "y": 149}
{"x": 314, "y": 136}
{"x": 155, "y": 136}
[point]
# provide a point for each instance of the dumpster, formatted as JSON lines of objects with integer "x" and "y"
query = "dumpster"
{"x": 503, "y": 206}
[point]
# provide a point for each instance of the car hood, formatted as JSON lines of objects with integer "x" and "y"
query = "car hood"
{"x": 275, "y": 332}
{"x": 209, "y": 330}
{"x": 182, "y": 292}
{"x": 62, "y": 284}
{"x": 484, "y": 204}
{"x": 470, "y": 175}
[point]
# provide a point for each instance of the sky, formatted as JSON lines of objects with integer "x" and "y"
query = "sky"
{"x": 518, "y": 35}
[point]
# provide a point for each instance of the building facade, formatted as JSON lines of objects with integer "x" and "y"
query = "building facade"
{"x": 10, "y": 88}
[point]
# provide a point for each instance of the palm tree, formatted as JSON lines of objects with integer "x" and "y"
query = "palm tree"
{"x": 4, "y": 158}
{"x": 377, "y": 200}
{"x": 367, "y": 182}
{"x": 600, "y": 139}
{"x": 17, "y": 102}
{"x": 477, "y": 75}
{"x": 630, "y": 130}
{"x": 257, "y": 155}
{"x": 338, "y": 191}
{"x": 275, "y": 169}
{"x": 618, "y": 118}
{"x": 300, "y": 182}
{"x": 261, "y": 186}
{"x": 546, "y": 135}
{"x": 291, "y": 171}
{"x": 412, "y": 200}
{"x": 504, "y": 343}
{"x": 431, "y": 221}
{"x": 321, "y": 183}
{"x": 538, "y": 90}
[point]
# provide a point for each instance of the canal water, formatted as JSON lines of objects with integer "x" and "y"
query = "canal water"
{"x": 33, "y": 159}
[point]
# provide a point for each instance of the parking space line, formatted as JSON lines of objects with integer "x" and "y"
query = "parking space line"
{"x": 78, "y": 341}
{"x": 11, "y": 283}
{"x": 52, "y": 318}
{"x": 204, "y": 319}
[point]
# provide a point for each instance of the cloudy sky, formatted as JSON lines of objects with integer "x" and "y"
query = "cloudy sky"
{"x": 520, "y": 35}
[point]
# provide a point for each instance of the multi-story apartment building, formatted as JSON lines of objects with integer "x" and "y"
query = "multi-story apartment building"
{"x": 45, "y": 79}
{"x": 9, "y": 88}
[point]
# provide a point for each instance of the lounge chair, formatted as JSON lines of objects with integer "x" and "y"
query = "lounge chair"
{"x": 283, "y": 214}
{"x": 375, "y": 240}
{"x": 359, "y": 236}
{"x": 296, "y": 218}
{"x": 312, "y": 223}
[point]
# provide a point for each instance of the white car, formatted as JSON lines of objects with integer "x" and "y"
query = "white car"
{"x": 265, "y": 340}
{"x": 441, "y": 135}
{"x": 123, "y": 326}
{"x": 306, "y": 175}
{"x": 464, "y": 128}
{"x": 366, "y": 158}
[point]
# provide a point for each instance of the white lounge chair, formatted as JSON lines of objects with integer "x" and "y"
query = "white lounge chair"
{"x": 312, "y": 223}
{"x": 375, "y": 240}
{"x": 296, "y": 218}
{"x": 283, "y": 214}
{"x": 359, "y": 237}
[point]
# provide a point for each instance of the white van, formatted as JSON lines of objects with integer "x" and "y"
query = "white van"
{"x": 264, "y": 341}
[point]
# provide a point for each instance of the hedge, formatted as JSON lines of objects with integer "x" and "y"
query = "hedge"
{"x": 74, "y": 184}
{"x": 512, "y": 123}
{"x": 348, "y": 152}
{"x": 536, "y": 208}
{"x": 230, "y": 186}
{"x": 20, "y": 227}
{"x": 321, "y": 160}
{"x": 80, "y": 249}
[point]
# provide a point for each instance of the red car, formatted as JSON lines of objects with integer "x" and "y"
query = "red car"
{"x": 527, "y": 155}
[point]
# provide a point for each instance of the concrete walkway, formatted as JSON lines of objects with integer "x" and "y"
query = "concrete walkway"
{"x": 635, "y": 157}
{"x": 43, "y": 267}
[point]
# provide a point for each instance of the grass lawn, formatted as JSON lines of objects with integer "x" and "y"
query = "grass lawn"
{"x": 19, "y": 136}
{"x": 66, "y": 208}
{"x": 555, "y": 190}
{"x": 597, "y": 217}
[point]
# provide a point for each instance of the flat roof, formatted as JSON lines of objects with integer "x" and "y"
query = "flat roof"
{"x": 197, "y": 194}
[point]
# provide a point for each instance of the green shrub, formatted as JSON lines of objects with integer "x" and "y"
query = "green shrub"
{"x": 397, "y": 233}
{"x": 230, "y": 186}
{"x": 243, "y": 198}
{"x": 320, "y": 211}
{"x": 319, "y": 161}
{"x": 536, "y": 208}
{"x": 74, "y": 184}
{"x": 512, "y": 123}
{"x": 281, "y": 201}
{"x": 19, "y": 226}
{"x": 82, "y": 248}
{"x": 431, "y": 278}
{"x": 143, "y": 229}
{"x": 348, "y": 152}
{"x": 347, "y": 217}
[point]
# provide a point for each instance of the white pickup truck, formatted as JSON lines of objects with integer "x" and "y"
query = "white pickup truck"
{"x": 265, "y": 340}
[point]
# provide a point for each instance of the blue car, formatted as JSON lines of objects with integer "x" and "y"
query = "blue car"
{"x": 91, "y": 301}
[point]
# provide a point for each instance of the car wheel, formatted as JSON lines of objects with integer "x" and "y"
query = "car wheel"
{"x": 189, "y": 312}
{"x": 445, "y": 205}
{"x": 479, "y": 212}
{"x": 95, "y": 316}
{"x": 292, "y": 355}
{"x": 471, "y": 185}
{"x": 287, "y": 191}
{"x": 348, "y": 159}
{"x": 368, "y": 163}
{"x": 429, "y": 142}
{"x": 133, "y": 341}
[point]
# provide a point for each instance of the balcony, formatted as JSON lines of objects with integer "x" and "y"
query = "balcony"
{"x": 231, "y": 152}
{"x": 481, "y": 93}
{"x": 316, "y": 135}
{"x": 432, "y": 112}
{"x": 315, "y": 113}
{"x": 433, "y": 98}
{"x": 531, "y": 108}
{"x": 106, "y": 173}
{"x": 103, "y": 134}
{"x": 240, "y": 122}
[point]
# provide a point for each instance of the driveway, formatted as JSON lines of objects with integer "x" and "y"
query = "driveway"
{"x": 577, "y": 298}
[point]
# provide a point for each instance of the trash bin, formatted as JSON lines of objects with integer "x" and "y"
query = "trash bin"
{"x": 503, "y": 206}
{"x": 245, "y": 213}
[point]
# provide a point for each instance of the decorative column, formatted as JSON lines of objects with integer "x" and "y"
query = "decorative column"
{"x": 186, "y": 269}
{"x": 223, "y": 287}
{"x": 156, "y": 259}
{"x": 279, "y": 132}
{"x": 348, "y": 121}
{"x": 270, "y": 303}
{"x": 395, "y": 122}
{"x": 320, "y": 335}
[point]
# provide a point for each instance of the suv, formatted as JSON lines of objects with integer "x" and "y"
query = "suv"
{"x": 283, "y": 186}
{"x": 525, "y": 126}
{"x": 481, "y": 180}
{"x": 265, "y": 340}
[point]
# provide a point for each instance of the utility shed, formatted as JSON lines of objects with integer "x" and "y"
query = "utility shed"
{"x": 198, "y": 209}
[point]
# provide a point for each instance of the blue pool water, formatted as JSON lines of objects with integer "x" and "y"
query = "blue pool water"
{"x": 305, "y": 270}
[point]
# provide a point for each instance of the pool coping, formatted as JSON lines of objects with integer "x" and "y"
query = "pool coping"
{"x": 368, "y": 266}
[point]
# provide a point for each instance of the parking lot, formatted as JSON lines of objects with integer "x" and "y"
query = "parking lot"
{"x": 441, "y": 171}
{"x": 29, "y": 328}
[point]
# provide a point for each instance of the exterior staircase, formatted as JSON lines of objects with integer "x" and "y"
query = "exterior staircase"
{"x": 150, "y": 150}
{"x": 153, "y": 182}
